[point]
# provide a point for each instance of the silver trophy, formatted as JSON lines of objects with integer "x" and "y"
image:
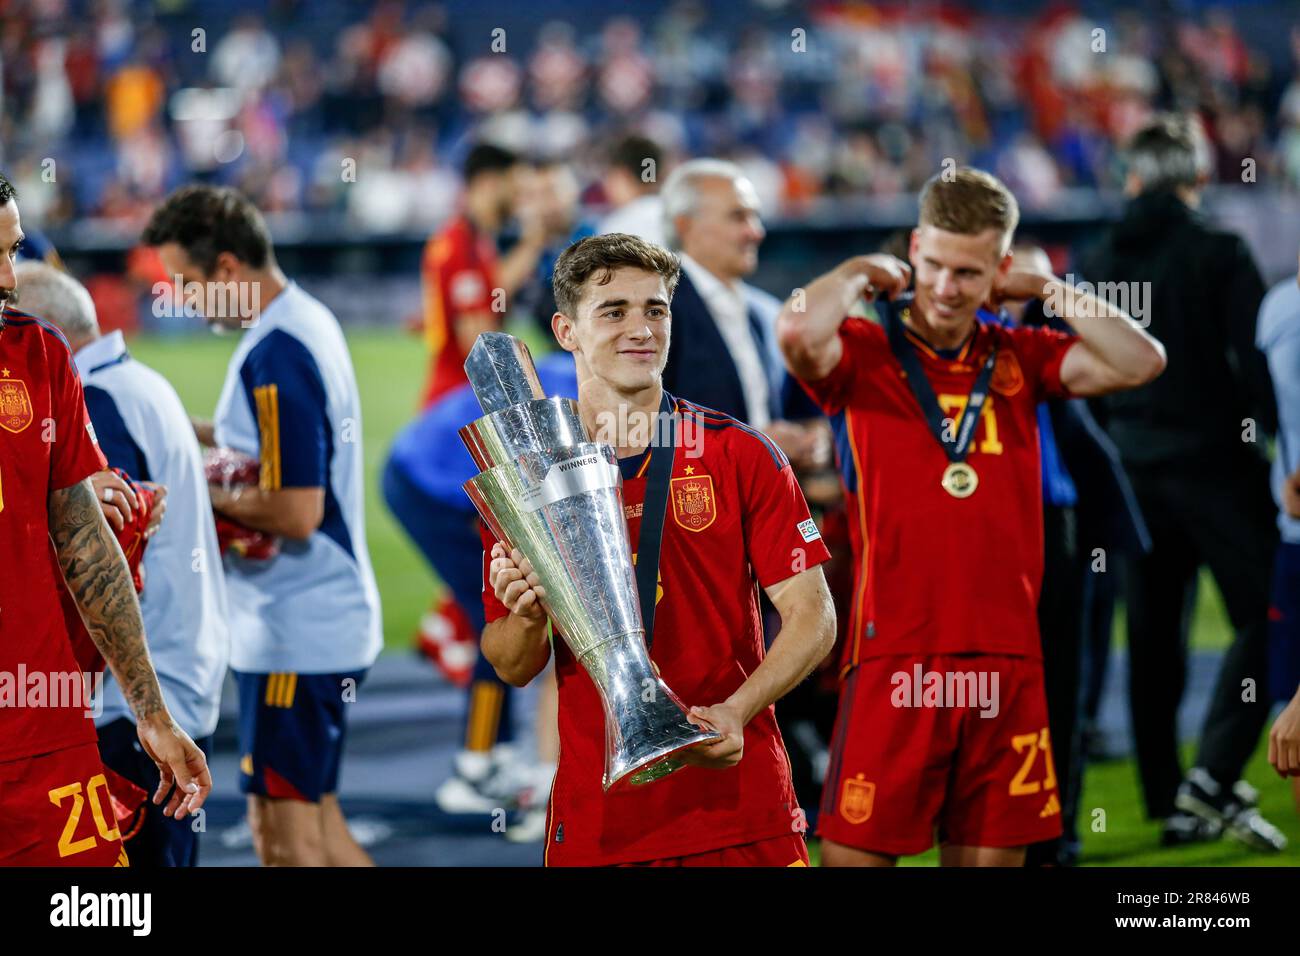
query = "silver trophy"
{"x": 551, "y": 492}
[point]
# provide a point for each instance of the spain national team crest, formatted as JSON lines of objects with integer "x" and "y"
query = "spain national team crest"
{"x": 15, "y": 405}
{"x": 1007, "y": 377}
{"x": 857, "y": 799}
{"x": 694, "y": 506}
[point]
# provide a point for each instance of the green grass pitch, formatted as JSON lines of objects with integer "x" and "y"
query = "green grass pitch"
{"x": 390, "y": 370}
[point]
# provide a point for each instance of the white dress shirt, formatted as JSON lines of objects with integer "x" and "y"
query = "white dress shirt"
{"x": 727, "y": 305}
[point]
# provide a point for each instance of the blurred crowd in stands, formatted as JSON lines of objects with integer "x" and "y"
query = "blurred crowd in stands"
{"x": 362, "y": 112}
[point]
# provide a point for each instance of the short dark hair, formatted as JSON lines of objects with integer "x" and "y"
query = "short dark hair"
{"x": 206, "y": 221}
{"x": 598, "y": 256}
{"x": 629, "y": 154}
{"x": 1166, "y": 153}
{"x": 969, "y": 201}
{"x": 487, "y": 158}
{"x": 7, "y": 191}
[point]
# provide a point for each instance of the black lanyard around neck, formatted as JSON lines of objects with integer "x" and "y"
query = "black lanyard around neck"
{"x": 655, "y": 506}
{"x": 957, "y": 447}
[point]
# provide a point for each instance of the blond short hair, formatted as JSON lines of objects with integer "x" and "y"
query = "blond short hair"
{"x": 969, "y": 201}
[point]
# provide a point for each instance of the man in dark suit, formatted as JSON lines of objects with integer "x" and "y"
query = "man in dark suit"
{"x": 724, "y": 356}
{"x": 723, "y": 352}
{"x": 1192, "y": 443}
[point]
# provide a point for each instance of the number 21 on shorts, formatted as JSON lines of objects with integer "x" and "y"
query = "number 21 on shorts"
{"x": 1031, "y": 745}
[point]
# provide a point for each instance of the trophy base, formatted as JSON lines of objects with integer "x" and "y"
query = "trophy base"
{"x": 660, "y": 762}
{"x": 645, "y": 722}
{"x": 655, "y": 771}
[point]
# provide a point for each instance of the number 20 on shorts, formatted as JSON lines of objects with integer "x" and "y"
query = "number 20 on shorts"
{"x": 96, "y": 786}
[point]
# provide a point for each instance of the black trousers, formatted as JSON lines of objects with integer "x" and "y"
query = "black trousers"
{"x": 1100, "y": 592}
{"x": 1218, "y": 513}
{"x": 1060, "y": 625}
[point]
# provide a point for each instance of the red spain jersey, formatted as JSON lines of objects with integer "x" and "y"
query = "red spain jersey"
{"x": 936, "y": 574}
{"x": 458, "y": 274}
{"x": 46, "y": 443}
{"x": 736, "y": 520}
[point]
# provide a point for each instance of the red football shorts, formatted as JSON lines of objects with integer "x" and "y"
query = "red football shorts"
{"x": 950, "y": 745}
{"x": 55, "y": 810}
{"x": 776, "y": 851}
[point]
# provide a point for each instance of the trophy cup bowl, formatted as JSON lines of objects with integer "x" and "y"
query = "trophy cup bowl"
{"x": 556, "y": 496}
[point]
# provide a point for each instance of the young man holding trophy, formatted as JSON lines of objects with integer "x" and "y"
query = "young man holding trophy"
{"x": 712, "y": 512}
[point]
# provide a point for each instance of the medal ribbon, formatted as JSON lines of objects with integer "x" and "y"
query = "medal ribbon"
{"x": 959, "y": 447}
{"x": 652, "y": 521}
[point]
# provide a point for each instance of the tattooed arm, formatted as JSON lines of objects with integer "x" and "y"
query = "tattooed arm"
{"x": 97, "y": 575}
{"x": 100, "y": 583}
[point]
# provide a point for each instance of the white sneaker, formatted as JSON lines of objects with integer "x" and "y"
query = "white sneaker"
{"x": 483, "y": 784}
{"x": 531, "y": 827}
{"x": 459, "y": 795}
{"x": 239, "y": 836}
{"x": 369, "y": 831}
{"x": 1248, "y": 825}
{"x": 511, "y": 785}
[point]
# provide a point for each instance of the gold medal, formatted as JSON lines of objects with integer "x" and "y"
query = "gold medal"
{"x": 960, "y": 480}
